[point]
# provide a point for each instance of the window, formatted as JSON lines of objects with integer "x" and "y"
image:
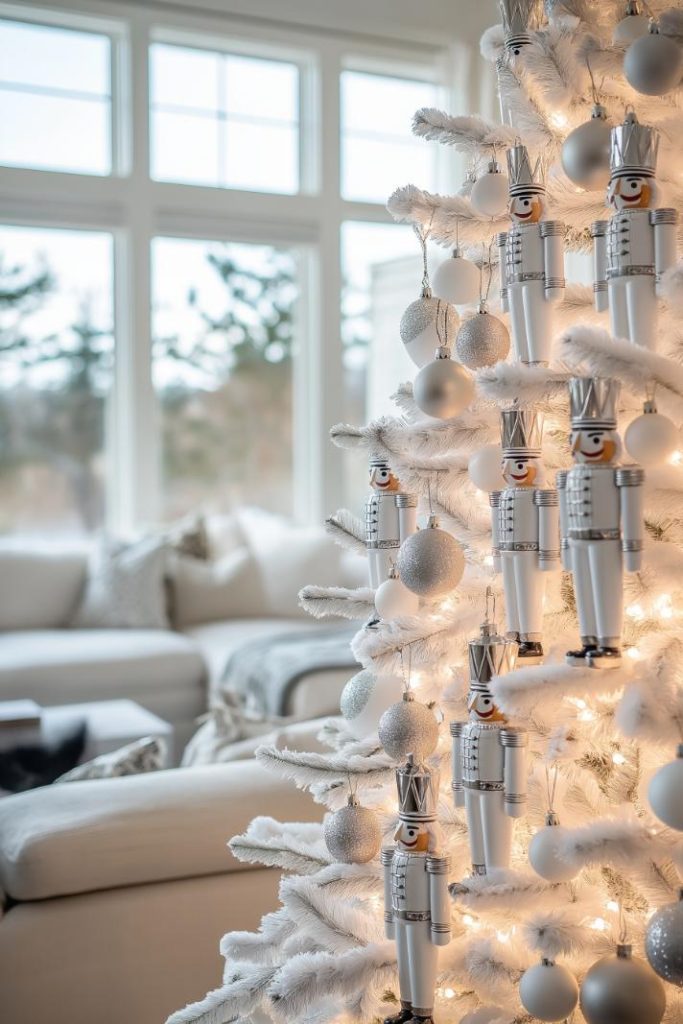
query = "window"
{"x": 224, "y": 120}
{"x": 56, "y": 360}
{"x": 55, "y": 99}
{"x": 377, "y": 144}
{"x": 224, "y": 337}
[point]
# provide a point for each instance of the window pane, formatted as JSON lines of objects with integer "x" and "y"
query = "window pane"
{"x": 376, "y": 117}
{"x": 184, "y": 78}
{"x": 56, "y": 354}
{"x": 261, "y": 157}
{"x": 55, "y": 99}
{"x": 185, "y": 148}
{"x": 223, "y": 324}
{"x": 261, "y": 89}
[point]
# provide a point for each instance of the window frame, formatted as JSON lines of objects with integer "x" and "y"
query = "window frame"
{"x": 135, "y": 208}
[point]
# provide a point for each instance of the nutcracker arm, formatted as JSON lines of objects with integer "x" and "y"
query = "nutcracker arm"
{"x": 457, "y": 730}
{"x": 629, "y": 480}
{"x": 439, "y": 902}
{"x": 561, "y": 484}
{"x": 664, "y": 222}
{"x": 514, "y": 742}
{"x": 599, "y": 235}
{"x": 387, "y": 858}
{"x": 547, "y": 503}
{"x": 494, "y": 501}
{"x": 552, "y": 233}
{"x": 406, "y": 504}
{"x": 501, "y": 242}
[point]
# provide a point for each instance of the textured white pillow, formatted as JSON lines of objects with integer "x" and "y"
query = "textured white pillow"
{"x": 149, "y": 754}
{"x": 125, "y": 587}
{"x": 212, "y": 591}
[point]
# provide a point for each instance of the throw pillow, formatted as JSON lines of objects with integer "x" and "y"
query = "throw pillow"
{"x": 148, "y": 754}
{"x": 125, "y": 587}
{"x": 213, "y": 591}
{"x": 189, "y": 537}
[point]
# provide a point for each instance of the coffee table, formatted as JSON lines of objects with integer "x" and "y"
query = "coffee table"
{"x": 111, "y": 724}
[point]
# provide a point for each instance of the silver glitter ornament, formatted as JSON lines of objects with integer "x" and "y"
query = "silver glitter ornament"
{"x": 408, "y": 727}
{"x": 352, "y": 834}
{"x": 425, "y": 324}
{"x": 585, "y": 152}
{"x": 443, "y": 388}
{"x": 430, "y": 562}
{"x": 622, "y": 990}
{"x": 653, "y": 64}
{"x": 664, "y": 942}
{"x": 366, "y": 697}
{"x": 482, "y": 340}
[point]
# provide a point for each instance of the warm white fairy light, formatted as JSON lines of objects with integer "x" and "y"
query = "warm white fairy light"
{"x": 618, "y": 758}
{"x": 634, "y": 653}
{"x": 558, "y": 119}
{"x": 599, "y": 924}
{"x": 635, "y": 611}
{"x": 449, "y": 993}
{"x": 586, "y": 715}
{"x": 663, "y": 606}
{"x": 613, "y": 906}
{"x": 676, "y": 458}
{"x": 503, "y": 936}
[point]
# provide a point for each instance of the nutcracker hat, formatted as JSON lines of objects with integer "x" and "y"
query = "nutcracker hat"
{"x": 523, "y": 177}
{"x": 379, "y": 462}
{"x": 519, "y": 18}
{"x": 521, "y": 433}
{"x": 593, "y": 403}
{"x": 490, "y": 655}
{"x": 418, "y": 792}
{"x": 633, "y": 149}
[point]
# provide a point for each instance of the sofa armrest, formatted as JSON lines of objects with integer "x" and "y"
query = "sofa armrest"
{"x": 109, "y": 833}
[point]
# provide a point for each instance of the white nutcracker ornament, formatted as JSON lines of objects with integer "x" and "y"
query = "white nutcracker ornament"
{"x": 532, "y": 261}
{"x": 489, "y": 757}
{"x": 390, "y": 517}
{"x": 601, "y": 521}
{"x": 637, "y": 245}
{"x": 525, "y": 530}
{"x": 416, "y": 901}
{"x": 520, "y": 18}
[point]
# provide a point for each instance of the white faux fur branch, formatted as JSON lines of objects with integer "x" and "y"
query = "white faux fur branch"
{"x": 445, "y": 216}
{"x": 530, "y": 385}
{"x": 346, "y": 530}
{"x": 617, "y": 841}
{"x": 231, "y": 1001}
{"x": 564, "y": 930}
{"x": 261, "y": 946}
{"x": 507, "y": 889}
{"x": 337, "y": 925}
{"x": 323, "y": 602}
{"x": 307, "y": 769}
{"x": 470, "y": 134}
{"x": 287, "y": 845}
{"x": 538, "y": 689}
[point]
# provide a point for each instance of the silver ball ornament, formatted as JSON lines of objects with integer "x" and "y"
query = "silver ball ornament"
{"x": 489, "y": 195}
{"x": 585, "y": 152}
{"x": 549, "y": 991}
{"x": 630, "y": 28}
{"x": 443, "y": 388}
{"x": 485, "y": 468}
{"x": 456, "y": 280}
{"x": 621, "y": 989}
{"x": 664, "y": 792}
{"x": 544, "y": 853}
{"x": 352, "y": 834}
{"x": 653, "y": 64}
{"x": 430, "y": 562}
{"x": 424, "y": 323}
{"x": 651, "y": 439}
{"x": 482, "y": 340}
{"x": 408, "y": 727}
{"x": 664, "y": 942}
{"x": 366, "y": 697}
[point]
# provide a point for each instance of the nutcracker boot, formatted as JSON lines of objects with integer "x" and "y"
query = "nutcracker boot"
{"x": 404, "y": 1015}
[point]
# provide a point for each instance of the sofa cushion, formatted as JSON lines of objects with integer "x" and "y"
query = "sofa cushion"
{"x": 214, "y": 591}
{"x": 125, "y": 587}
{"x": 66, "y": 666}
{"x": 39, "y": 587}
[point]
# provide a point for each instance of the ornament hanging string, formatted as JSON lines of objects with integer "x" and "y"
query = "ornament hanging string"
{"x": 551, "y": 787}
{"x": 423, "y": 235}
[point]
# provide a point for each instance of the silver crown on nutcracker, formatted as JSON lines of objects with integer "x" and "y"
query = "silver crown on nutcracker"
{"x": 633, "y": 149}
{"x": 519, "y": 17}
{"x": 490, "y": 655}
{"x": 523, "y": 177}
{"x": 418, "y": 792}
{"x": 521, "y": 432}
{"x": 593, "y": 403}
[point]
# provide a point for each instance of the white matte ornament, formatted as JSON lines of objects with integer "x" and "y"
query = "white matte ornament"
{"x": 664, "y": 792}
{"x": 651, "y": 439}
{"x": 548, "y": 991}
{"x": 424, "y": 325}
{"x": 664, "y": 942}
{"x": 543, "y": 853}
{"x": 621, "y": 989}
{"x": 632, "y": 27}
{"x": 585, "y": 152}
{"x": 393, "y": 599}
{"x": 482, "y": 340}
{"x": 443, "y": 388}
{"x": 366, "y": 697}
{"x": 487, "y": 1015}
{"x": 653, "y": 64}
{"x": 352, "y": 834}
{"x": 430, "y": 562}
{"x": 489, "y": 195}
{"x": 485, "y": 468}
{"x": 408, "y": 727}
{"x": 456, "y": 280}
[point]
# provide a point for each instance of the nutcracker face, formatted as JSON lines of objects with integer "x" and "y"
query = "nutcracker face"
{"x": 526, "y": 208}
{"x": 594, "y": 447}
{"x": 482, "y": 708}
{"x": 382, "y": 479}
{"x": 632, "y": 193}
{"x": 521, "y": 472}
{"x": 412, "y": 838}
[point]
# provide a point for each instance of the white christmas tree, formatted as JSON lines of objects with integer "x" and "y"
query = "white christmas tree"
{"x": 600, "y": 724}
